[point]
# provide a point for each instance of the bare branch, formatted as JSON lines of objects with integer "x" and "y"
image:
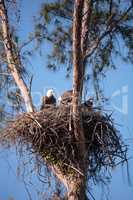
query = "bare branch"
{"x": 27, "y": 43}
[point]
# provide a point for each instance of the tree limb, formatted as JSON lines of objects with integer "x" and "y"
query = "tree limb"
{"x": 11, "y": 58}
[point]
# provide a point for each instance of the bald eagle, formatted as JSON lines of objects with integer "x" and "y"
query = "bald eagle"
{"x": 66, "y": 98}
{"x": 49, "y": 99}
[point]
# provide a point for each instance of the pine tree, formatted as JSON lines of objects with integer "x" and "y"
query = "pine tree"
{"x": 107, "y": 29}
{"x": 85, "y": 34}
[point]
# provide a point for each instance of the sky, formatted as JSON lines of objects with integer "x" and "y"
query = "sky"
{"x": 117, "y": 86}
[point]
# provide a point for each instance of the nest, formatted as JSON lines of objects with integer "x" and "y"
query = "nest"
{"x": 50, "y": 134}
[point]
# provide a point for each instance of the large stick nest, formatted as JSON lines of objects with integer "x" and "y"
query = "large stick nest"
{"x": 50, "y": 133}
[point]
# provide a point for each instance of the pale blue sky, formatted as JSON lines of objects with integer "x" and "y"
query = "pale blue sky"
{"x": 43, "y": 79}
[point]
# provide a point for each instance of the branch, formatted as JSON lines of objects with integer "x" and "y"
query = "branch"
{"x": 27, "y": 43}
{"x": 11, "y": 58}
{"x": 110, "y": 7}
{"x": 94, "y": 46}
{"x": 87, "y": 10}
{"x": 112, "y": 28}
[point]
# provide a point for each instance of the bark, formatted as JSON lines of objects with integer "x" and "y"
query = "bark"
{"x": 87, "y": 10}
{"x": 76, "y": 189}
{"x": 75, "y": 185}
{"x": 78, "y": 68}
{"x": 11, "y": 58}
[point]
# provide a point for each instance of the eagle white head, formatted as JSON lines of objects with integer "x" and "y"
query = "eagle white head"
{"x": 50, "y": 93}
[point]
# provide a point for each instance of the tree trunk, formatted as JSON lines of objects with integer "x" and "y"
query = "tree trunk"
{"x": 87, "y": 10}
{"x": 12, "y": 60}
{"x": 76, "y": 189}
{"x": 77, "y": 73}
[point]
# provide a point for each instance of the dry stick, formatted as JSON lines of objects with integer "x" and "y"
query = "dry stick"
{"x": 74, "y": 168}
{"x": 33, "y": 118}
{"x": 11, "y": 58}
